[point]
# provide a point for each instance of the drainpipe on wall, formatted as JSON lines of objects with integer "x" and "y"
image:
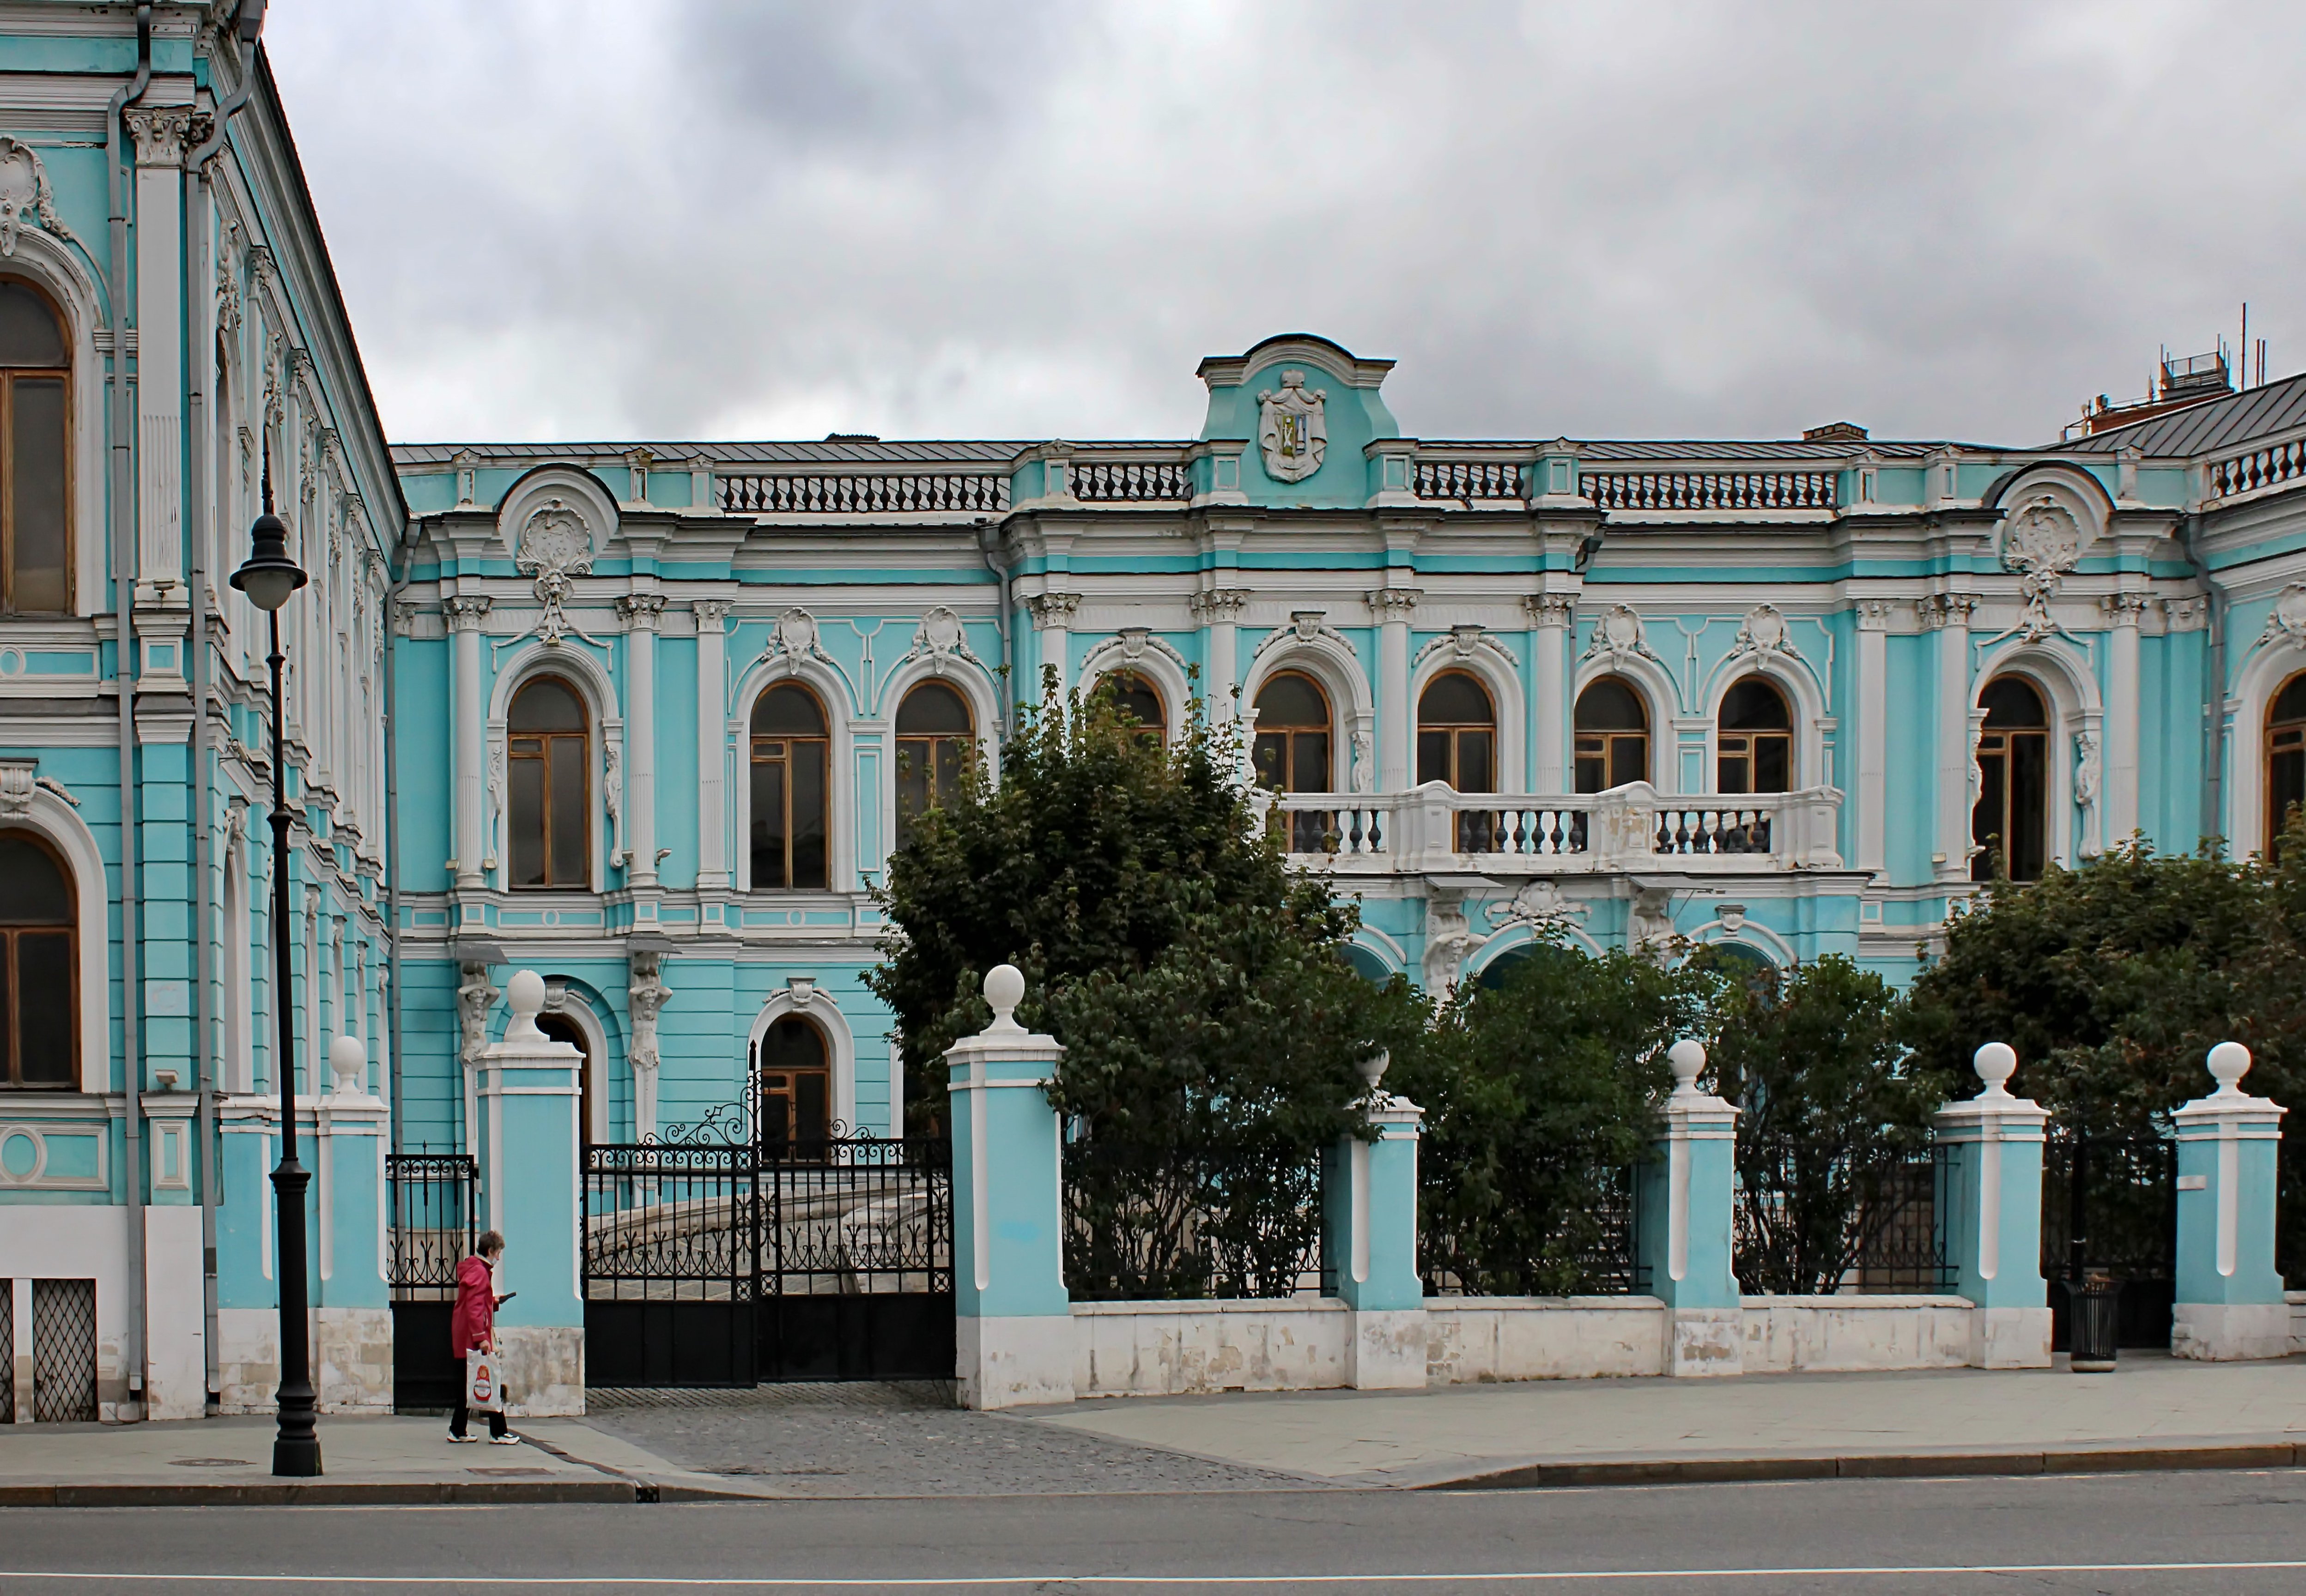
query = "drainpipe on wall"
{"x": 2214, "y": 692}
{"x": 392, "y": 820}
{"x": 203, "y": 528}
{"x": 988, "y": 540}
{"x": 122, "y": 522}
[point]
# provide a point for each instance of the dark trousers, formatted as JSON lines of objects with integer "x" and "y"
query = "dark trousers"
{"x": 457, "y": 1419}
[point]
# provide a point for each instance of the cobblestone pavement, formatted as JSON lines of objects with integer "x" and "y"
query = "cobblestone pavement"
{"x": 899, "y": 1440}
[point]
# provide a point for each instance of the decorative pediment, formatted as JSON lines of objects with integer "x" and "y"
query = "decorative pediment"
{"x": 1463, "y": 643}
{"x": 2042, "y": 543}
{"x": 1763, "y": 632}
{"x": 792, "y": 640}
{"x": 1128, "y": 648}
{"x": 1618, "y": 635}
{"x": 555, "y": 549}
{"x": 941, "y": 639}
{"x": 25, "y": 198}
{"x": 2288, "y": 619}
{"x": 1539, "y": 904}
{"x": 1306, "y": 625}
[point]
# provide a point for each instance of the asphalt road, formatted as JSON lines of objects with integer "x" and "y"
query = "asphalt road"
{"x": 2210, "y": 1532}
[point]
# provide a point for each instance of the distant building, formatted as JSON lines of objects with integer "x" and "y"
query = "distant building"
{"x": 659, "y": 711}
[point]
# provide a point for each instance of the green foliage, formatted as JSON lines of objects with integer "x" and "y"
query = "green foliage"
{"x": 1539, "y": 1097}
{"x": 1828, "y": 1104}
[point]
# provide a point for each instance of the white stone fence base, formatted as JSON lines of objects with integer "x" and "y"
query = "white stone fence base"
{"x": 1301, "y": 1343}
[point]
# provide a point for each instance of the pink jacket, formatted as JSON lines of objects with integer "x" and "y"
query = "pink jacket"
{"x": 474, "y": 1322}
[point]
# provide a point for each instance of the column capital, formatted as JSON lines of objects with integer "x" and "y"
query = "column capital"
{"x": 2125, "y": 608}
{"x": 641, "y": 610}
{"x": 162, "y": 132}
{"x": 465, "y": 611}
{"x": 1557, "y": 610}
{"x": 1392, "y": 604}
{"x": 1053, "y": 611}
{"x": 1872, "y": 615}
{"x": 1219, "y": 606}
{"x": 1939, "y": 609}
{"x": 713, "y": 614}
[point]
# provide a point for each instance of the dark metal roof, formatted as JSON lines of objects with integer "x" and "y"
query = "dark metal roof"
{"x": 924, "y": 452}
{"x": 2208, "y": 428}
{"x": 1612, "y": 451}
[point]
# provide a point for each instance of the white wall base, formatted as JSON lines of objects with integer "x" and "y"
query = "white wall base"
{"x": 1473, "y": 1339}
{"x": 1388, "y": 1350}
{"x": 352, "y": 1359}
{"x": 248, "y": 1358}
{"x": 1706, "y": 1341}
{"x": 2009, "y": 1337}
{"x": 1167, "y": 1349}
{"x": 2296, "y": 1301}
{"x": 542, "y": 1370}
{"x": 1014, "y": 1362}
{"x": 175, "y": 1351}
{"x": 2223, "y": 1332}
{"x": 1844, "y": 1332}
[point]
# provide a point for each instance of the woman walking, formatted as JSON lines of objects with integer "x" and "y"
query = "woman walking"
{"x": 473, "y": 1327}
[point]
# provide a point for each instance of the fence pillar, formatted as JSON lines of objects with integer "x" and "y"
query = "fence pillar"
{"x": 1992, "y": 1221}
{"x": 352, "y": 1329}
{"x": 1685, "y": 1209}
{"x": 1014, "y": 1338}
{"x": 1368, "y": 1219}
{"x": 527, "y": 1145}
{"x": 2230, "y": 1301}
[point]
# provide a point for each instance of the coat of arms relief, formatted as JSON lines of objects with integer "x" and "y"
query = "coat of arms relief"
{"x": 1290, "y": 429}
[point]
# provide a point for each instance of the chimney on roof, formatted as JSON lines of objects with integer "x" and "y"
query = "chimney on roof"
{"x": 1835, "y": 432}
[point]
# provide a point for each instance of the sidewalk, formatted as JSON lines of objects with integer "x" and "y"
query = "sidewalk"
{"x": 878, "y": 1441}
{"x": 2155, "y": 1411}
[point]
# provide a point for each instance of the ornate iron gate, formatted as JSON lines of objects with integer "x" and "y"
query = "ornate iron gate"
{"x": 2126, "y": 1206}
{"x": 435, "y": 1212}
{"x": 721, "y": 1262}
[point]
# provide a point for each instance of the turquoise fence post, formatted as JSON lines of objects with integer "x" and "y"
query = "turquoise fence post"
{"x": 352, "y": 1317}
{"x": 1685, "y": 1209}
{"x": 1368, "y": 1218}
{"x": 1013, "y": 1336}
{"x": 527, "y": 1095}
{"x": 1991, "y": 1221}
{"x": 2230, "y": 1303}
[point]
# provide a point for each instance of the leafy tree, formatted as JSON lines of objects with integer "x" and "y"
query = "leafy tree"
{"x": 1829, "y": 1107}
{"x": 1539, "y": 1097}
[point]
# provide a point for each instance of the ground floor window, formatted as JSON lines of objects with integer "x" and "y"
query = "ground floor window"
{"x": 794, "y": 1069}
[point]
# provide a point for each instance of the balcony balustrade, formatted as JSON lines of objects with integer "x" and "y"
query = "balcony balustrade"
{"x": 1634, "y": 827}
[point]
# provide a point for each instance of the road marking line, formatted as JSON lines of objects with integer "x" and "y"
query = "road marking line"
{"x": 923, "y": 1582}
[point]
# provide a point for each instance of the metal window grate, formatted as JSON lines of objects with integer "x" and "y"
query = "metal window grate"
{"x": 7, "y": 1351}
{"x": 63, "y": 1352}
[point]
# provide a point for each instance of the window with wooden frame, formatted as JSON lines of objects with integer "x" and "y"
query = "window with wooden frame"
{"x": 2010, "y": 822}
{"x": 1293, "y": 751}
{"x": 1754, "y": 743}
{"x": 2285, "y": 760}
{"x": 1457, "y": 733}
{"x": 39, "y": 966}
{"x": 35, "y": 454}
{"x": 548, "y": 764}
{"x": 936, "y": 739}
{"x": 793, "y": 1070}
{"x": 1139, "y": 700}
{"x": 1612, "y": 731}
{"x": 792, "y": 754}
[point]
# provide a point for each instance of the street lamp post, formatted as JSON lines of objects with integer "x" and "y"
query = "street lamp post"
{"x": 269, "y": 577}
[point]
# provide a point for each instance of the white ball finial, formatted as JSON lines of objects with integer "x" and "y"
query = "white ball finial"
{"x": 1995, "y": 1062}
{"x": 526, "y": 993}
{"x": 1373, "y": 1068}
{"x": 1004, "y": 989}
{"x": 348, "y": 1062}
{"x": 2229, "y": 1062}
{"x": 1686, "y": 1058}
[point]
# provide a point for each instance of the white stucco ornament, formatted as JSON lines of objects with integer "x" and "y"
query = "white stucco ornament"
{"x": 1291, "y": 428}
{"x": 556, "y": 548}
{"x": 2288, "y": 619}
{"x": 1764, "y": 632}
{"x": 25, "y": 196}
{"x": 1617, "y": 634}
{"x": 2044, "y": 543}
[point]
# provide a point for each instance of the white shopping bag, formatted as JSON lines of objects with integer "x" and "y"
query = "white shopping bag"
{"x": 484, "y": 1393}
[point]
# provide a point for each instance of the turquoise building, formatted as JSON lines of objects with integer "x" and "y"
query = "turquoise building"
{"x": 648, "y": 718}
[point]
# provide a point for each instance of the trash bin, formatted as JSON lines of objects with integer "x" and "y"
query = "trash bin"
{"x": 2094, "y": 1322}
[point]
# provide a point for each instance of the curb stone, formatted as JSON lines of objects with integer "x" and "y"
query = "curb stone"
{"x": 1695, "y": 1471}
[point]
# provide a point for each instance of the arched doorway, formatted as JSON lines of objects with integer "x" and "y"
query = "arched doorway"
{"x": 2010, "y": 822}
{"x": 792, "y": 1071}
{"x": 1612, "y": 736}
{"x": 1755, "y": 741}
{"x": 1457, "y": 743}
{"x": 1292, "y": 751}
{"x": 559, "y": 1027}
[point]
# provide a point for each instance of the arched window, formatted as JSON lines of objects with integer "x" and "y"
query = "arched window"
{"x": 35, "y": 471}
{"x": 1457, "y": 733}
{"x": 2012, "y": 821}
{"x": 1755, "y": 740}
{"x": 935, "y": 739}
{"x": 1141, "y": 701}
{"x": 791, "y": 754}
{"x": 559, "y": 1028}
{"x": 40, "y": 963}
{"x": 550, "y": 764}
{"x": 1613, "y": 736}
{"x": 794, "y": 1069}
{"x": 1292, "y": 751}
{"x": 2285, "y": 758}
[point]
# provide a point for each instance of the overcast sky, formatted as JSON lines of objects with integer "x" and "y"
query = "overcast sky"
{"x": 740, "y": 218}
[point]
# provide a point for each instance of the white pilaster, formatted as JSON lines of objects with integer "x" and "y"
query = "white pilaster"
{"x": 711, "y": 747}
{"x": 466, "y": 613}
{"x": 1219, "y": 610}
{"x": 1052, "y": 617}
{"x": 1391, "y": 607}
{"x": 1873, "y": 733}
{"x": 1549, "y": 617}
{"x": 1949, "y": 614}
{"x": 2123, "y": 610}
{"x": 159, "y": 134}
{"x": 640, "y": 611}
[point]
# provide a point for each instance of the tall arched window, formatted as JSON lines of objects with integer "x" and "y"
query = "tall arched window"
{"x": 1141, "y": 701}
{"x": 1457, "y": 733}
{"x": 35, "y": 439}
{"x": 794, "y": 1069}
{"x": 1755, "y": 740}
{"x": 2285, "y": 758}
{"x": 936, "y": 736}
{"x": 791, "y": 754}
{"x": 2012, "y": 821}
{"x": 1613, "y": 736}
{"x": 1292, "y": 751}
{"x": 550, "y": 764}
{"x": 39, "y": 965}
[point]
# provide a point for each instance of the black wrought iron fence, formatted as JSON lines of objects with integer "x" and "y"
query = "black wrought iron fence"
{"x": 1591, "y": 1250}
{"x": 2118, "y": 1193}
{"x": 1815, "y": 1220}
{"x": 434, "y": 1208}
{"x": 2290, "y": 1210}
{"x": 1141, "y": 1225}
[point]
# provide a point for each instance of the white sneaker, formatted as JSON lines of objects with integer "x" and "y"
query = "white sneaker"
{"x": 462, "y": 1440}
{"x": 504, "y": 1441}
